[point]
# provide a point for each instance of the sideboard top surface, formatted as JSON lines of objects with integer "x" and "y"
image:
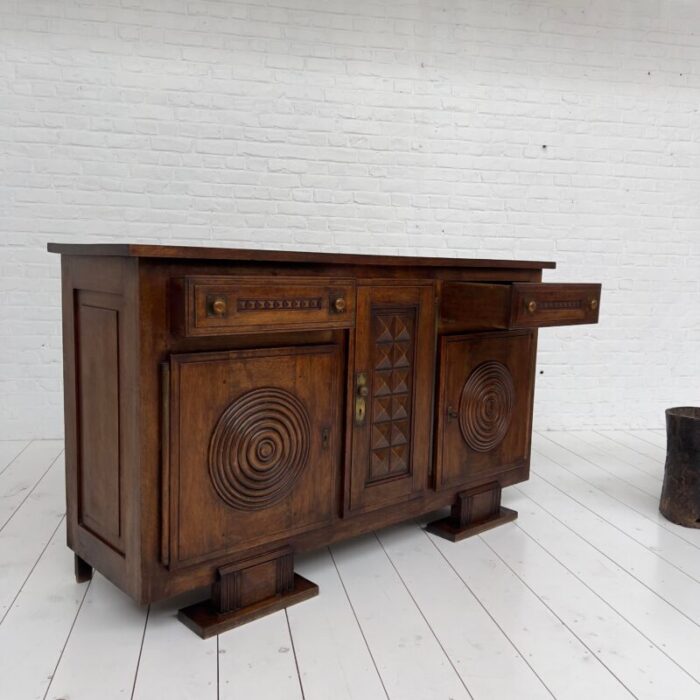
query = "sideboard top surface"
{"x": 137, "y": 250}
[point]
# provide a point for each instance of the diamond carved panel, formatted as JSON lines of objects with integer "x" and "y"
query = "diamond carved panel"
{"x": 392, "y": 393}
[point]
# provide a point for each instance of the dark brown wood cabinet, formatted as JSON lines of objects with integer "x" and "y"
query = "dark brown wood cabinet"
{"x": 228, "y": 408}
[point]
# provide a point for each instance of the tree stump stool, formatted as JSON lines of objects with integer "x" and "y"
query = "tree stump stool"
{"x": 680, "y": 497}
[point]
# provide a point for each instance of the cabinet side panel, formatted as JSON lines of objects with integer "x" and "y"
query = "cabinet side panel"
{"x": 100, "y": 355}
{"x": 99, "y": 452}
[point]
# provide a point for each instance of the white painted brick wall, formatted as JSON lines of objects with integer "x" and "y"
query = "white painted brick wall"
{"x": 391, "y": 127}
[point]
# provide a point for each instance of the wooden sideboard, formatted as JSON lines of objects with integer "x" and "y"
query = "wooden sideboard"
{"x": 225, "y": 409}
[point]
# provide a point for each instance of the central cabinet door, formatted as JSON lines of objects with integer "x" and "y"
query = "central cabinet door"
{"x": 391, "y": 399}
{"x": 255, "y": 446}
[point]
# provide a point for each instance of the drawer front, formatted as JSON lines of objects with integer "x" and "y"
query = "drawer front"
{"x": 226, "y": 305}
{"x": 537, "y": 305}
{"x": 468, "y": 306}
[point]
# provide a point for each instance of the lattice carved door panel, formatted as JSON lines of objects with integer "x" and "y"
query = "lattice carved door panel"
{"x": 484, "y": 405}
{"x": 255, "y": 445}
{"x": 393, "y": 360}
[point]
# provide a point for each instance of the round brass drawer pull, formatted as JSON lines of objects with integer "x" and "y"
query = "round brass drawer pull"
{"x": 218, "y": 306}
{"x": 532, "y": 306}
{"x": 339, "y": 305}
{"x": 593, "y": 304}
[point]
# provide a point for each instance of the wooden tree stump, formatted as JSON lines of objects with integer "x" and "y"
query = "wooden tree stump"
{"x": 680, "y": 497}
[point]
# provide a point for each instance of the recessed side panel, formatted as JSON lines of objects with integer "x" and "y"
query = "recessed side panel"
{"x": 100, "y": 490}
{"x": 484, "y": 407}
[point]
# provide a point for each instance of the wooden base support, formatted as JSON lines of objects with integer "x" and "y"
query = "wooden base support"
{"x": 247, "y": 590}
{"x": 475, "y": 511}
{"x": 83, "y": 570}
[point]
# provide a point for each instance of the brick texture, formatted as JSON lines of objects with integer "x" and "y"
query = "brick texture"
{"x": 553, "y": 130}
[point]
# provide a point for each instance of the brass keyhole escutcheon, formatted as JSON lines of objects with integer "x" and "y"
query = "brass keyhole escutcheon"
{"x": 531, "y": 306}
{"x": 593, "y": 304}
{"x": 361, "y": 393}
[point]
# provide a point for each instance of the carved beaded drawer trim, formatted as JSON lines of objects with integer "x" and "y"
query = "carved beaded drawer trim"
{"x": 298, "y": 304}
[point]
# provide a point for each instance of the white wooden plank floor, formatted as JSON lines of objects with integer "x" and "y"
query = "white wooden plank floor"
{"x": 591, "y": 593}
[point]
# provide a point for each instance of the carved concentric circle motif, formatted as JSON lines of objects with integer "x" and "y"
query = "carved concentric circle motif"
{"x": 486, "y": 406}
{"x": 259, "y": 447}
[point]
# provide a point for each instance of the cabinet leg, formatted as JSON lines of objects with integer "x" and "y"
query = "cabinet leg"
{"x": 83, "y": 570}
{"x": 247, "y": 590}
{"x": 474, "y": 511}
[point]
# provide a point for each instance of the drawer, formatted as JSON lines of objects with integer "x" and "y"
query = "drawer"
{"x": 234, "y": 305}
{"x": 470, "y": 306}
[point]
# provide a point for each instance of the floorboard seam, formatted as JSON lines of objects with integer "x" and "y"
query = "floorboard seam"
{"x": 294, "y": 652}
{"x": 605, "y": 602}
{"x": 621, "y": 444}
{"x": 615, "y": 498}
{"x": 65, "y": 644}
{"x": 31, "y": 491}
{"x": 648, "y": 474}
{"x": 31, "y": 571}
{"x": 487, "y": 611}
{"x": 532, "y": 590}
{"x": 425, "y": 619}
{"x": 357, "y": 619}
{"x": 609, "y": 558}
{"x": 12, "y": 461}
{"x": 604, "y": 519}
{"x": 138, "y": 660}
{"x": 607, "y": 471}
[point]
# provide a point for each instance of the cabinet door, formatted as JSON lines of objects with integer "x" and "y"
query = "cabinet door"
{"x": 484, "y": 406}
{"x": 392, "y": 393}
{"x": 255, "y": 447}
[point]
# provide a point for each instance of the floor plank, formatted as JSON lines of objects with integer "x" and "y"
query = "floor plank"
{"x": 334, "y": 660}
{"x": 487, "y": 661}
{"x": 639, "y": 666}
{"x": 623, "y": 491}
{"x": 565, "y": 665}
{"x": 592, "y": 593}
{"x": 609, "y": 461}
{"x": 653, "y": 437}
{"x": 26, "y": 535}
{"x": 35, "y": 630}
{"x": 175, "y": 663}
{"x": 611, "y": 443}
{"x": 23, "y": 474}
{"x": 666, "y": 545}
{"x": 257, "y": 661}
{"x": 638, "y": 446}
{"x": 10, "y": 450}
{"x": 411, "y": 662}
{"x": 102, "y": 652}
{"x": 658, "y": 575}
{"x": 663, "y": 625}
